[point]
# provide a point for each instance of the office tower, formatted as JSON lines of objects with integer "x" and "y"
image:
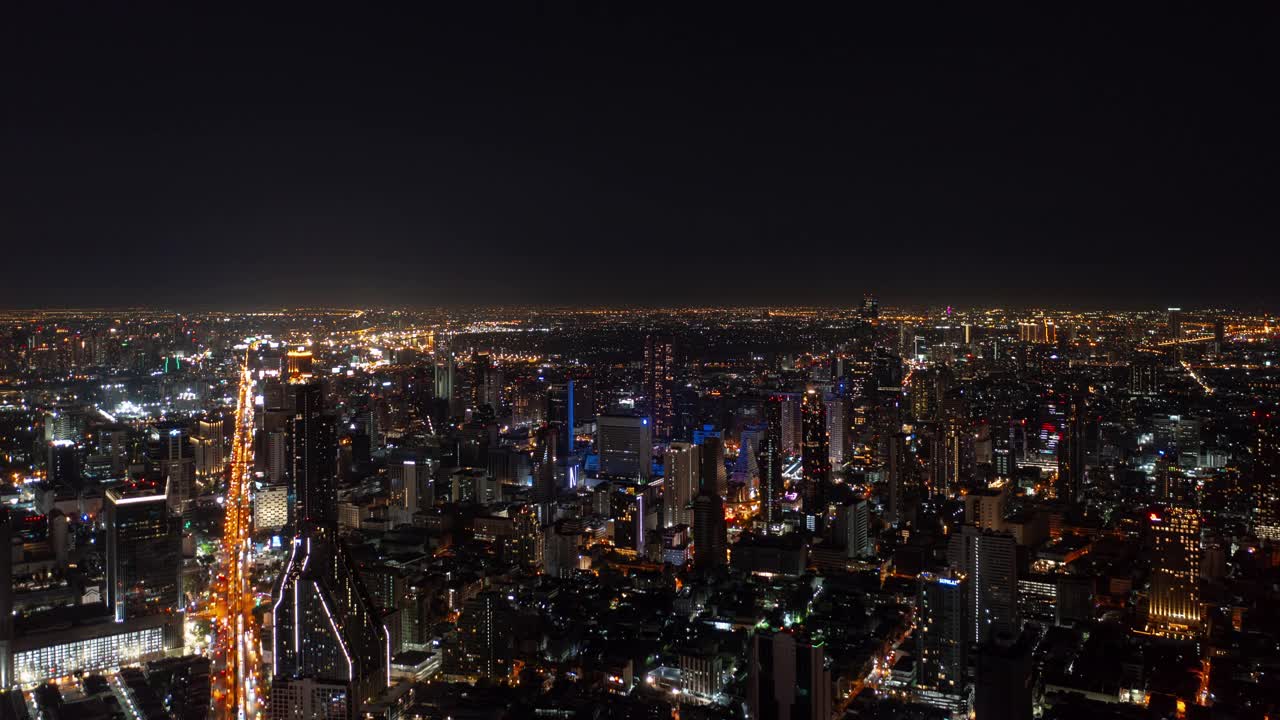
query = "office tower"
{"x": 528, "y": 542}
{"x": 271, "y": 507}
{"x": 326, "y": 626}
{"x": 1175, "y": 323}
{"x": 710, "y": 541}
{"x": 941, "y": 637}
{"x": 659, "y": 383}
{"x": 1002, "y": 446}
{"x": 787, "y": 679}
{"x": 170, "y": 452}
{"x": 898, "y": 478}
{"x": 1174, "y": 606}
{"x": 1003, "y": 679}
{"x": 681, "y": 482}
{"x": 712, "y": 474}
{"x": 815, "y": 454}
{"x": 988, "y": 561}
{"x": 627, "y": 509}
{"x": 1266, "y": 474}
{"x": 1071, "y": 453}
{"x": 308, "y": 699}
{"x": 985, "y": 509}
{"x": 404, "y": 483}
{"x": 446, "y": 368}
{"x": 769, "y": 462}
{"x": 206, "y": 442}
{"x": 63, "y": 468}
{"x": 1219, "y": 336}
{"x": 298, "y": 365}
{"x": 837, "y": 427}
{"x": 314, "y": 459}
{"x": 486, "y": 382}
{"x": 626, "y": 446}
{"x": 545, "y": 486}
{"x": 485, "y": 631}
{"x": 144, "y": 552}
{"x": 792, "y": 422}
{"x": 852, "y": 529}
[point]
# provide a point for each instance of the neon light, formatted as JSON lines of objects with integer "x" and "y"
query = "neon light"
{"x": 351, "y": 668}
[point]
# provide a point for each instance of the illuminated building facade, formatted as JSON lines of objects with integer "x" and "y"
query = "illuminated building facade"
{"x": 327, "y": 627}
{"x": 144, "y": 552}
{"x": 1266, "y": 474}
{"x": 1174, "y": 606}
{"x": 659, "y": 382}
{"x": 683, "y": 467}
{"x": 941, "y": 632}
{"x": 988, "y": 561}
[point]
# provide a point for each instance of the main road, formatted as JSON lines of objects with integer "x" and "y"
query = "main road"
{"x": 235, "y": 647}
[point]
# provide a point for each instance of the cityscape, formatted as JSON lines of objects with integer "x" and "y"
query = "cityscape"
{"x": 639, "y": 361}
{"x": 699, "y": 513}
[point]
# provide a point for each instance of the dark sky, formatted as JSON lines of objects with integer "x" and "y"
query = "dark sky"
{"x": 650, "y": 154}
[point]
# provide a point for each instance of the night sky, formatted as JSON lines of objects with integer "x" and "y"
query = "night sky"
{"x": 590, "y": 155}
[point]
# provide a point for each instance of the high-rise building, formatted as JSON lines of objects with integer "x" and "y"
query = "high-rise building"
{"x": 206, "y": 443}
{"x": 446, "y": 368}
{"x": 681, "y": 483}
{"x": 1174, "y": 606}
{"x": 852, "y": 529}
{"x": 170, "y": 452}
{"x": 898, "y": 479}
{"x": 837, "y": 427}
{"x": 988, "y": 561}
{"x": 314, "y": 457}
{"x": 144, "y": 552}
{"x": 326, "y": 627}
{"x": 528, "y": 543}
{"x": 626, "y": 446}
{"x": 710, "y": 541}
{"x": 1071, "y": 453}
{"x": 485, "y": 630}
{"x": 1266, "y": 474}
{"x": 1175, "y": 323}
{"x": 713, "y": 473}
{"x": 769, "y": 462}
{"x": 815, "y": 455}
{"x": 546, "y": 443}
{"x": 659, "y": 383}
{"x": 941, "y": 637}
{"x": 787, "y": 679}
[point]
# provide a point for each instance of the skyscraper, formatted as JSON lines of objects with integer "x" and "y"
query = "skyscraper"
{"x": 659, "y": 383}
{"x": 681, "y": 483}
{"x": 898, "y": 477}
{"x": 837, "y": 426}
{"x": 1266, "y": 474}
{"x": 710, "y": 541}
{"x": 545, "y": 486}
{"x": 326, "y": 627}
{"x": 941, "y": 637}
{"x": 787, "y": 679}
{"x": 1071, "y": 453}
{"x": 485, "y": 630}
{"x": 626, "y": 446}
{"x": 713, "y": 474}
{"x": 1174, "y": 606}
{"x": 988, "y": 561}
{"x": 314, "y": 458}
{"x": 144, "y": 552}
{"x": 769, "y": 461}
{"x": 815, "y": 454}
